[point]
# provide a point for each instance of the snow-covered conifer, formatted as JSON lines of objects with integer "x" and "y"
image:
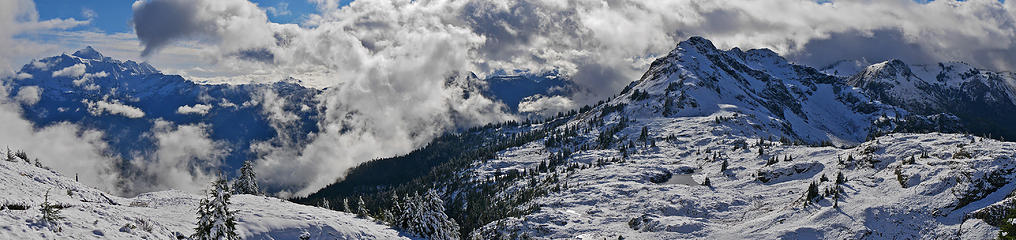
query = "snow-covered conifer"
{"x": 361, "y": 208}
{"x": 247, "y": 182}
{"x": 424, "y": 216}
{"x": 215, "y": 221}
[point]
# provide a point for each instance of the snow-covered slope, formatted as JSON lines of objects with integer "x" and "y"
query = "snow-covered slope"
{"x": 91, "y": 214}
{"x": 620, "y": 199}
{"x": 984, "y": 101}
{"x": 762, "y": 118}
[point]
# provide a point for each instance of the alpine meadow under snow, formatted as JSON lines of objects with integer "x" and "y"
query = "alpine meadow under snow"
{"x": 490, "y": 119}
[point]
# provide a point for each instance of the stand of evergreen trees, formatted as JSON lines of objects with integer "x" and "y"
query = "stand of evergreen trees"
{"x": 389, "y": 186}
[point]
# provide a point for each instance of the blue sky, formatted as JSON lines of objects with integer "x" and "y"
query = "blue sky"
{"x": 112, "y": 16}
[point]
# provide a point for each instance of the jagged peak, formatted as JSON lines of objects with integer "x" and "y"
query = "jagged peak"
{"x": 88, "y": 53}
{"x": 696, "y": 42}
{"x": 888, "y": 69}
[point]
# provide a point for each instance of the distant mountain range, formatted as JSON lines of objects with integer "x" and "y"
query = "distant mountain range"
{"x": 983, "y": 100}
{"x": 126, "y": 100}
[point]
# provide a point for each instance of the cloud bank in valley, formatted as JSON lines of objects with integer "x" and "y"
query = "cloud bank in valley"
{"x": 389, "y": 62}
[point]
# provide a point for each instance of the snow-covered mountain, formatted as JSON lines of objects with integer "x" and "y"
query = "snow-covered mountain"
{"x": 92, "y": 214}
{"x": 755, "y": 88}
{"x": 712, "y": 144}
{"x": 708, "y": 143}
{"x": 128, "y": 100}
{"x": 689, "y": 151}
{"x": 984, "y": 101}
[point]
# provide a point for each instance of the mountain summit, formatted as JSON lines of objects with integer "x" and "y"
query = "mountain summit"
{"x": 89, "y": 53}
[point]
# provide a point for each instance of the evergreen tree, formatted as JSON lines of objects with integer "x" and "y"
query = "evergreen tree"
{"x": 247, "y": 182}
{"x": 425, "y": 217}
{"x": 723, "y": 166}
{"x": 707, "y": 183}
{"x": 215, "y": 220}
{"x": 840, "y": 179}
{"x": 50, "y": 212}
{"x": 812, "y": 193}
{"x": 644, "y": 134}
{"x": 345, "y": 205}
{"x": 361, "y": 208}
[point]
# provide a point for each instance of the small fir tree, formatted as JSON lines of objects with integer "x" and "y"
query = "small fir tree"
{"x": 215, "y": 220}
{"x": 723, "y": 166}
{"x": 50, "y": 212}
{"x": 812, "y": 193}
{"x": 361, "y": 208}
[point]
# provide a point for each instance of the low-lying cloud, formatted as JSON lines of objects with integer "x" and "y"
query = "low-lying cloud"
{"x": 105, "y": 106}
{"x": 186, "y": 158}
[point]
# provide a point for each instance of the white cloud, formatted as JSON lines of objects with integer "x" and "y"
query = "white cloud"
{"x": 40, "y": 65}
{"x": 186, "y": 159}
{"x": 546, "y": 106}
{"x": 20, "y": 17}
{"x": 88, "y": 77}
{"x": 281, "y": 9}
{"x": 20, "y": 76}
{"x": 98, "y": 108}
{"x": 29, "y": 95}
{"x": 65, "y": 147}
{"x": 199, "y": 109}
{"x": 74, "y": 71}
{"x": 88, "y": 13}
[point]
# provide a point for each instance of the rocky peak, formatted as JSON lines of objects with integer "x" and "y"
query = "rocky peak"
{"x": 88, "y": 53}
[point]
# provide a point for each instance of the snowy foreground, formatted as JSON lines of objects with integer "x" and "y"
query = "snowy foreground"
{"x": 93, "y": 214}
{"x": 619, "y": 199}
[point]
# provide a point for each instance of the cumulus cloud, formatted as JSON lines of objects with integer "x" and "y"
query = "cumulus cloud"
{"x": 159, "y": 22}
{"x": 65, "y": 147}
{"x": 388, "y": 63}
{"x": 199, "y": 109}
{"x": 100, "y": 107}
{"x": 20, "y": 76}
{"x": 19, "y": 17}
{"x": 29, "y": 95}
{"x": 185, "y": 159}
{"x": 87, "y": 77}
{"x": 74, "y": 71}
{"x": 545, "y": 106}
